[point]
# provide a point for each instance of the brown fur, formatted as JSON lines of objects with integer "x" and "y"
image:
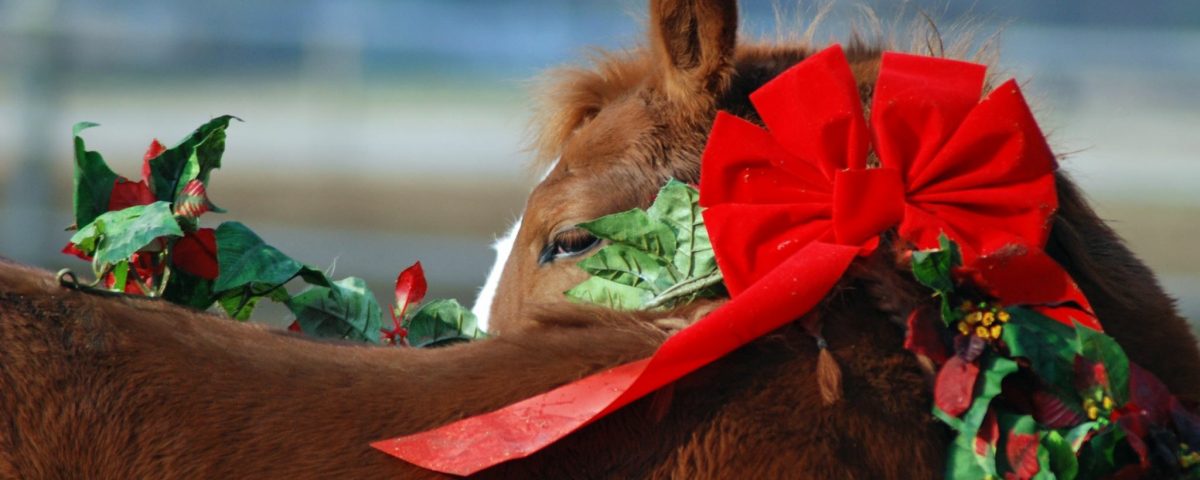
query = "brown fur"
{"x": 100, "y": 388}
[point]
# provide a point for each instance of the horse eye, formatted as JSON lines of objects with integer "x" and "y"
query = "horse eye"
{"x": 567, "y": 244}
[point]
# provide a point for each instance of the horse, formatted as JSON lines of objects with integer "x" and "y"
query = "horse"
{"x": 105, "y": 387}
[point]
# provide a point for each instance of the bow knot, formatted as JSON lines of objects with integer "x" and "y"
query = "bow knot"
{"x": 865, "y": 203}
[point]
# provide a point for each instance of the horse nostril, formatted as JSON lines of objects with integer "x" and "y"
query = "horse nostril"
{"x": 567, "y": 244}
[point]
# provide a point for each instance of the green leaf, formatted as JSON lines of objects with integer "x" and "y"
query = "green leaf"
{"x": 1097, "y": 457}
{"x": 93, "y": 180}
{"x": 629, "y": 266}
{"x": 963, "y": 464}
{"x": 659, "y": 257}
{"x": 189, "y": 290}
{"x": 1077, "y": 434}
{"x": 678, "y": 206}
{"x": 442, "y": 322}
{"x": 243, "y": 258}
{"x": 1060, "y": 456}
{"x": 610, "y": 294}
{"x": 1098, "y": 347}
{"x": 239, "y": 304}
{"x": 120, "y": 275}
{"x": 344, "y": 310}
{"x": 1049, "y": 346}
{"x": 636, "y": 229}
{"x": 935, "y": 269}
{"x": 194, "y": 157}
{"x": 115, "y": 236}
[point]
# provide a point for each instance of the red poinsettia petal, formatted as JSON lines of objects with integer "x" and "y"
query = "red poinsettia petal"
{"x": 955, "y": 384}
{"x": 1020, "y": 275}
{"x": 196, "y": 253}
{"x": 1052, "y": 411}
{"x": 1149, "y": 394}
{"x": 193, "y": 200}
{"x": 72, "y": 249}
{"x": 923, "y": 337}
{"x": 813, "y": 110}
{"x": 153, "y": 152}
{"x": 127, "y": 194}
{"x": 1021, "y": 450}
{"x": 988, "y": 434}
{"x": 1089, "y": 374}
{"x": 410, "y": 290}
{"x": 294, "y": 327}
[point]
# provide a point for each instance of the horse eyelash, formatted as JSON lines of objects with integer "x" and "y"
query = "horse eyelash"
{"x": 566, "y": 244}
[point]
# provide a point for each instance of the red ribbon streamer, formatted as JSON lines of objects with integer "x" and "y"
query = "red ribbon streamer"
{"x": 518, "y": 430}
{"x": 788, "y": 208}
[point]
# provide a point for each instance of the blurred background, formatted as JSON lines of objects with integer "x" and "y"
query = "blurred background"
{"x": 378, "y": 133}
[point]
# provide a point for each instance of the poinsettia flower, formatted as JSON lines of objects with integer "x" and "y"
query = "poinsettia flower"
{"x": 144, "y": 268}
{"x": 153, "y": 152}
{"x": 1021, "y": 276}
{"x": 410, "y": 290}
{"x": 127, "y": 194}
{"x": 72, "y": 249}
{"x": 196, "y": 253}
{"x": 193, "y": 200}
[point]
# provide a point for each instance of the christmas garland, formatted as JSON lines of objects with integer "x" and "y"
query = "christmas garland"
{"x": 1026, "y": 377}
{"x": 144, "y": 238}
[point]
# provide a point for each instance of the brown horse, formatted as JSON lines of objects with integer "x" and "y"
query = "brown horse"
{"x": 94, "y": 387}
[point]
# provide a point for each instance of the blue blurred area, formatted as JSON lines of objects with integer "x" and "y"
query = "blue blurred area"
{"x": 382, "y": 132}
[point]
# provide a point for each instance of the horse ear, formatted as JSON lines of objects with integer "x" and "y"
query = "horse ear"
{"x": 693, "y": 42}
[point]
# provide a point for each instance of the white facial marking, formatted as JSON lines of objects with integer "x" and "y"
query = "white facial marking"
{"x": 503, "y": 247}
{"x": 483, "y": 303}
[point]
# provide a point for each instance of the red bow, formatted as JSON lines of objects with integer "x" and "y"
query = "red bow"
{"x": 789, "y": 209}
{"x": 977, "y": 171}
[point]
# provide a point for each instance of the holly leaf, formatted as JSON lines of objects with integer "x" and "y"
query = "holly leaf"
{"x": 658, "y": 257}
{"x": 193, "y": 158}
{"x": 94, "y": 180}
{"x": 116, "y": 236}
{"x": 935, "y": 269}
{"x": 1098, "y": 347}
{"x": 244, "y": 258}
{"x": 345, "y": 309}
{"x": 440, "y": 323}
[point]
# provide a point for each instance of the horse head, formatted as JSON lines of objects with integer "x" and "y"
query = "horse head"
{"x": 609, "y": 135}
